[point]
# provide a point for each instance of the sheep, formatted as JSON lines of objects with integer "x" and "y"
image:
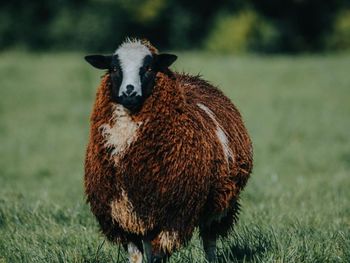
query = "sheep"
{"x": 167, "y": 153}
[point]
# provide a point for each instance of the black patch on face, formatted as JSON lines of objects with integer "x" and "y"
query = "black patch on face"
{"x": 147, "y": 76}
{"x": 116, "y": 74}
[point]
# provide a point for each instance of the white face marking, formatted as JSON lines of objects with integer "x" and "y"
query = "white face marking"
{"x": 219, "y": 133}
{"x": 131, "y": 54}
{"x": 122, "y": 133}
{"x": 135, "y": 255}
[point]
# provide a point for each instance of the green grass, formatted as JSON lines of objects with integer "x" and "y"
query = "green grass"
{"x": 296, "y": 207}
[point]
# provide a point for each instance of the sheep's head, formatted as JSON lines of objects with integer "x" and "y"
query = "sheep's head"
{"x": 132, "y": 68}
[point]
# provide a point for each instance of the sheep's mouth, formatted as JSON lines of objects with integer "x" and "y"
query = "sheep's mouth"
{"x": 132, "y": 103}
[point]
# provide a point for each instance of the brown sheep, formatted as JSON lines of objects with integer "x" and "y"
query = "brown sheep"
{"x": 168, "y": 152}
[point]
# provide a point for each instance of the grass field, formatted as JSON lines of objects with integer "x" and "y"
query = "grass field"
{"x": 296, "y": 207}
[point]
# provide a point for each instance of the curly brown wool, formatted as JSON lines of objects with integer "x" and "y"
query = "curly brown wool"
{"x": 185, "y": 167}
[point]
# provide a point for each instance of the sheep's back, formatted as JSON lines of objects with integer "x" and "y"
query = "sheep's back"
{"x": 232, "y": 142}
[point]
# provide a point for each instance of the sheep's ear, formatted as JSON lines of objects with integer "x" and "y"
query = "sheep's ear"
{"x": 163, "y": 61}
{"x": 99, "y": 61}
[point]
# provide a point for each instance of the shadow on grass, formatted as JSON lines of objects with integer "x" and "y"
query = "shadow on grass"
{"x": 245, "y": 248}
{"x": 240, "y": 254}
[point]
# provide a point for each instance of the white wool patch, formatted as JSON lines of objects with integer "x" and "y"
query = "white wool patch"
{"x": 120, "y": 135}
{"x": 219, "y": 133}
{"x": 131, "y": 54}
{"x": 135, "y": 255}
{"x": 169, "y": 240}
{"x": 123, "y": 212}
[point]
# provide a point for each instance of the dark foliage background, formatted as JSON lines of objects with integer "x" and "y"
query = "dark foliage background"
{"x": 221, "y": 25}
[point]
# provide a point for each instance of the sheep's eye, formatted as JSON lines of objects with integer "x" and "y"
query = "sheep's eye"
{"x": 114, "y": 69}
{"x": 148, "y": 68}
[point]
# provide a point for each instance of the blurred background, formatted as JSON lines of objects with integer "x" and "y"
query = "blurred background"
{"x": 269, "y": 26}
{"x": 284, "y": 64}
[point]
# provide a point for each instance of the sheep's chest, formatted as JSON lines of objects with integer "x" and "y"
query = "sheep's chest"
{"x": 121, "y": 133}
{"x": 118, "y": 136}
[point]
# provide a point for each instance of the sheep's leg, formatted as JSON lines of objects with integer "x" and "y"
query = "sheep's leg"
{"x": 209, "y": 245}
{"x": 135, "y": 255}
{"x": 209, "y": 242}
{"x": 147, "y": 251}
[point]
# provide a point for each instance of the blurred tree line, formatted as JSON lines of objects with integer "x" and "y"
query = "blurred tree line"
{"x": 221, "y": 25}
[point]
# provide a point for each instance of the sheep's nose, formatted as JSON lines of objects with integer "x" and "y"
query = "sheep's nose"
{"x": 129, "y": 89}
